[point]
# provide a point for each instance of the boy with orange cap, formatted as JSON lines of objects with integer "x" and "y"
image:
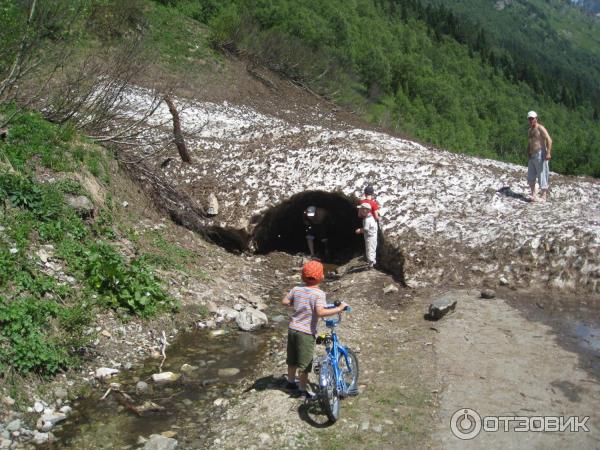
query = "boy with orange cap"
{"x": 309, "y": 304}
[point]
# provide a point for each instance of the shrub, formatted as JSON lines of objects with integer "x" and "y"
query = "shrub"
{"x": 130, "y": 288}
{"x": 25, "y": 342}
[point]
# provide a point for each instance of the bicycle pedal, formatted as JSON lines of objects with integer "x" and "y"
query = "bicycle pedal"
{"x": 352, "y": 392}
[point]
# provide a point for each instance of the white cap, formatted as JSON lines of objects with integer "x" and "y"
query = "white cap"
{"x": 311, "y": 210}
{"x": 531, "y": 114}
{"x": 364, "y": 206}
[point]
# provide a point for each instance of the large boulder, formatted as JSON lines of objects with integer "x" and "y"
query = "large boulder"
{"x": 251, "y": 319}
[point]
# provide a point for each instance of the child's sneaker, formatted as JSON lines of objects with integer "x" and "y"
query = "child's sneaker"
{"x": 307, "y": 395}
{"x": 291, "y": 386}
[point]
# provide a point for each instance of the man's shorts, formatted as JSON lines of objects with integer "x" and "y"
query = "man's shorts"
{"x": 537, "y": 169}
{"x": 300, "y": 350}
{"x": 316, "y": 232}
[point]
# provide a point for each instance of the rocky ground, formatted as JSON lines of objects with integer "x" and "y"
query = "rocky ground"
{"x": 415, "y": 374}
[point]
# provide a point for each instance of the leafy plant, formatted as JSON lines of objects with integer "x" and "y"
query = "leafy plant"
{"x": 132, "y": 287}
{"x": 25, "y": 343}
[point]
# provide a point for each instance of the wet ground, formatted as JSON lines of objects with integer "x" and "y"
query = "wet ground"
{"x": 187, "y": 407}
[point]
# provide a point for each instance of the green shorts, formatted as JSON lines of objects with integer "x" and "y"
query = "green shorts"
{"x": 300, "y": 350}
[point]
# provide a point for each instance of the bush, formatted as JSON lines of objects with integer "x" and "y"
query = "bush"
{"x": 130, "y": 288}
{"x": 25, "y": 342}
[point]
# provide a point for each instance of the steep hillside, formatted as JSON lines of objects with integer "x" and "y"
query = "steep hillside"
{"x": 431, "y": 73}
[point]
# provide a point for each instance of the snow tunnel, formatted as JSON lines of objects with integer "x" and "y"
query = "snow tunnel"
{"x": 282, "y": 228}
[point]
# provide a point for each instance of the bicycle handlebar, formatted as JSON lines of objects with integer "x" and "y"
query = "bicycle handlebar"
{"x": 336, "y": 304}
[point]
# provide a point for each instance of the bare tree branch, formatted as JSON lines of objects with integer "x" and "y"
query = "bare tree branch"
{"x": 179, "y": 141}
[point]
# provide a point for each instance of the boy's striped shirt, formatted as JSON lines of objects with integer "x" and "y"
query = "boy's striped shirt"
{"x": 305, "y": 300}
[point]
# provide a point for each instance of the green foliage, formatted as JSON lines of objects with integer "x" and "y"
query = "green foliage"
{"x": 427, "y": 71}
{"x": 37, "y": 332}
{"x": 131, "y": 287}
{"x": 111, "y": 19}
{"x": 26, "y": 341}
{"x": 33, "y": 139}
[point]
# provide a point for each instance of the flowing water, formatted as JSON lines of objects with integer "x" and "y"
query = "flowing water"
{"x": 190, "y": 404}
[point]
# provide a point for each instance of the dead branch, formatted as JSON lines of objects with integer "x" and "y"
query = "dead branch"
{"x": 179, "y": 141}
{"x": 163, "y": 351}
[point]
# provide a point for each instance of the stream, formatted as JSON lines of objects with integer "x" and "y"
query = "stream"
{"x": 188, "y": 406}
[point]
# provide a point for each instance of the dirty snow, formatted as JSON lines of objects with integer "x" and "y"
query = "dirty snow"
{"x": 453, "y": 215}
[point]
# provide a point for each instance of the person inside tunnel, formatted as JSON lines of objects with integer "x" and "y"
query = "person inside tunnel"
{"x": 312, "y": 222}
{"x": 317, "y": 222}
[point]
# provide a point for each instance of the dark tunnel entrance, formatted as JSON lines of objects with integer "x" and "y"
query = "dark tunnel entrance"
{"x": 282, "y": 227}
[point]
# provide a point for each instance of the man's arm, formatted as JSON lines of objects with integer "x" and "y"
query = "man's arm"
{"x": 548, "y": 140}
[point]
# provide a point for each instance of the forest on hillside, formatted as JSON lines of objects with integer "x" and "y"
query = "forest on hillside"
{"x": 422, "y": 69}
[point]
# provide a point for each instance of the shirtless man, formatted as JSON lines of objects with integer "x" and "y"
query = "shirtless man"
{"x": 539, "y": 151}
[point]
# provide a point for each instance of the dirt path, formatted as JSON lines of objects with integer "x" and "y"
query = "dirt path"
{"x": 415, "y": 374}
{"x": 493, "y": 360}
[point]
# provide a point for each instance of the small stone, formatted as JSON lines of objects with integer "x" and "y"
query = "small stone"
{"x": 377, "y": 428}
{"x": 48, "y": 420}
{"x": 228, "y": 372}
{"x": 188, "y": 368}
{"x": 165, "y": 377}
{"x": 141, "y": 387}
{"x": 390, "y": 288}
{"x": 106, "y": 334}
{"x": 81, "y": 204}
{"x": 158, "y": 442}
{"x": 169, "y": 434}
{"x": 14, "y": 425}
{"x": 213, "y": 205}
{"x": 38, "y": 407}
{"x": 503, "y": 281}
{"x": 105, "y": 372}
{"x": 221, "y": 402}
{"x": 265, "y": 439}
{"x": 364, "y": 426}
{"x": 440, "y": 307}
{"x": 488, "y": 293}
{"x": 40, "y": 438}
{"x": 61, "y": 393}
{"x": 66, "y": 410}
{"x": 217, "y": 332}
{"x": 8, "y": 401}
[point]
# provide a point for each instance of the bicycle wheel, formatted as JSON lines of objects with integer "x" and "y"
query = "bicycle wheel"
{"x": 349, "y": 371}
{"x": 329, "y": 396}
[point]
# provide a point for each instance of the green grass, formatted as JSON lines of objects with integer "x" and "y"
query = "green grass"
{"x": 180, "y": 42}
{"x": 42, "y": 318}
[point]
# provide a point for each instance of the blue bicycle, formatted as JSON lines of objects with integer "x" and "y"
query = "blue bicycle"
{"x": 337, "y": 370}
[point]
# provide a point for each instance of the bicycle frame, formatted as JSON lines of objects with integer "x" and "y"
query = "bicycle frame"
{"x": 334, "y": 350}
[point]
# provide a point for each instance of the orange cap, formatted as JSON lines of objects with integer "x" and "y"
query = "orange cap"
{"x": 312, "y": 273}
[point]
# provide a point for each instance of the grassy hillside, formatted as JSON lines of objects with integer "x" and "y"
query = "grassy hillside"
{"x": 415, "y": 69}
{"x": 61, "y": 264}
